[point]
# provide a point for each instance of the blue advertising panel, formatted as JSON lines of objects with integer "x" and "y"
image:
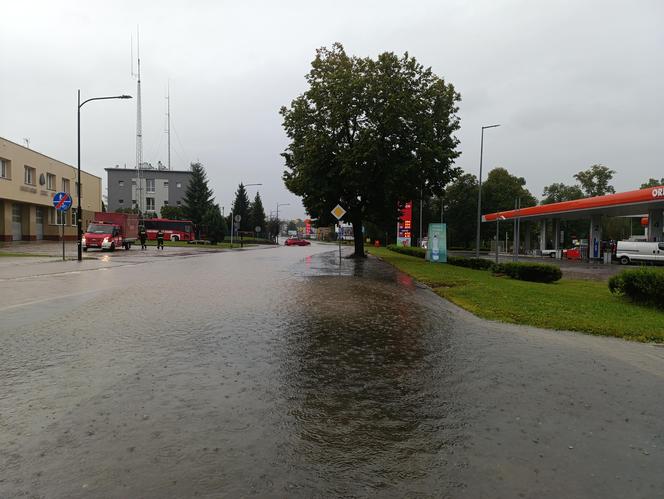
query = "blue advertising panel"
{"x": 437, "y": 243}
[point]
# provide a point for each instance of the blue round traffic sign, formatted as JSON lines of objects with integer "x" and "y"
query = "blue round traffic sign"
{"x": 62, "y": 201}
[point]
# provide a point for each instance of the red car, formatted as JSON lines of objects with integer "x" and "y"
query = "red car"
{"x": 294, "y": 241}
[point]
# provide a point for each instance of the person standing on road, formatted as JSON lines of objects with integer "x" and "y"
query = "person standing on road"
{"x": 143, "y": 236}
{"x": 160, "y": 239}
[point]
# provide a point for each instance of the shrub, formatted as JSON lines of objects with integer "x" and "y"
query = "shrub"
{"x": 644, "y": 285}
{"x": 524, "y": 271}
{"x": 471, "y": 263}
{"x": 408, "y": 250}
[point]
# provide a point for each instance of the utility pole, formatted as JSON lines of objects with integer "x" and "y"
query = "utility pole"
{"x": 479, "y": 194}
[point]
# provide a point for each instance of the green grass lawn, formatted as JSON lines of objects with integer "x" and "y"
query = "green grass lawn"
{"x": 15, "y": 254}
{"x": 574, "y": 305}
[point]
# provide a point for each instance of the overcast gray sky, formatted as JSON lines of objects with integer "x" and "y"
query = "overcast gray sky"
{"x": 571, "y": 82}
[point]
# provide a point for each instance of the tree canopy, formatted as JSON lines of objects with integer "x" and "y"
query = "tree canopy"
{"x": 369, "y": 134}
{"x": 198, "y": 197}
{"x": 173, "y": 212}
{"x": 215, "y": 224}
{"x": 558, "y": 192}
{"x": 595, "y": 180}
{"x": 652, "y": 182}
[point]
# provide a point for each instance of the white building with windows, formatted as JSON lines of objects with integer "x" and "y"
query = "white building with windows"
{"x": 28, "y": 182}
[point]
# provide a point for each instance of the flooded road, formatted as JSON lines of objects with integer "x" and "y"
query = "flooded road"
{"x": 279, "y": 373}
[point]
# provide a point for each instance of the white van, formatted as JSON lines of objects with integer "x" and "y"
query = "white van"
{"x": 633, "y": 251}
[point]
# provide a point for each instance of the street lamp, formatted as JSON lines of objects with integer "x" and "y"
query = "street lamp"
{"x": 479, "y": 194}
{"x": 78, "y": 187}
{"x": 278, "y": 205}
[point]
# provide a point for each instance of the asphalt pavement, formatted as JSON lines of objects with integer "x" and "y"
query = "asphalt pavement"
{"x": 285, "y": 372}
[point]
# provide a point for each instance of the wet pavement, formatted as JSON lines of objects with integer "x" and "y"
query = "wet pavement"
{"x": 280, "y": 373}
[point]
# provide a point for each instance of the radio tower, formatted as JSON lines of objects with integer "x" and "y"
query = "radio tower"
{"x": 168, "y": 121}
{"x": 139, "y": 123}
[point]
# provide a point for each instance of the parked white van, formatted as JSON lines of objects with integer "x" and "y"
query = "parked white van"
{"x": 633, "y": 251}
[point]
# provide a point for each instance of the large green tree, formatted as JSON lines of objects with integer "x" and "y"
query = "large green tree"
{"x": 652, "y": 182}
{"x": 460, "y": 199}
{"x": 198, "y": 196}
{"x": 558, "y": 192}
{"x": 369, "y": 134}
{"x": 501, "y": 192}
{"x": 256, "y": 214}
{"x": 240, "y": 207}
{"x": 215, "y": 224}
{"x": 595, "y": 180}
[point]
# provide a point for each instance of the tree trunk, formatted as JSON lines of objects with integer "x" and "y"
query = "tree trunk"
{"x": 358, "y": 236}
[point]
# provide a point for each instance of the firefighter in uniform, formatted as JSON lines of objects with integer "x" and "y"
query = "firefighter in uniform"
{"x": 160, "y": 239}
{"x": 143, "y": 236}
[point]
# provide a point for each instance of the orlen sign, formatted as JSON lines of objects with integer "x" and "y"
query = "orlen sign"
{"x": 658, "y": 192}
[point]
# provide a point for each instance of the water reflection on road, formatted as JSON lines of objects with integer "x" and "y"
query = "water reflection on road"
{"x": 286, "y": 373}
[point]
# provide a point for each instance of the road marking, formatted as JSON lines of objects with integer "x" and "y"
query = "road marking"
{"x": 35, "y": 302}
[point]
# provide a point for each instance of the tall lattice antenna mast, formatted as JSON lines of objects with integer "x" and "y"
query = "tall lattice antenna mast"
{"x": 168, "y": 121}
{"x": 139, "y": 120}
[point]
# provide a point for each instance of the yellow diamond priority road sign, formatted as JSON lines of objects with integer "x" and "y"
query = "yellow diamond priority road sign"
{"x": 338, "y": 212}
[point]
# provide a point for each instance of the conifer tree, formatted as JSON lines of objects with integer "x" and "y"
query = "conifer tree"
{"x": 241, "y": 207}
{"x": 257, "y": 214}
{"x": 198, "y": 198}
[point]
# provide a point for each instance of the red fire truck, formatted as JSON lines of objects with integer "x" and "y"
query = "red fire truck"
{"x": 110, "y": 231}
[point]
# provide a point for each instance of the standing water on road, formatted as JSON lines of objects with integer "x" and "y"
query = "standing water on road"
{"x": 281, "y": 373}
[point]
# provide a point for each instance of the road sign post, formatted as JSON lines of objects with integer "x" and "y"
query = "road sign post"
{"x": 338, "y": 212}
{"x": 62, "y": 202}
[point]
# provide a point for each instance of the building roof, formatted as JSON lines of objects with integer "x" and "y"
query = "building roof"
{"x": 146, "y": 170}
{"x": 631, "y": 203}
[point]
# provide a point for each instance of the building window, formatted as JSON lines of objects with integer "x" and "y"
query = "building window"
{"x": 65, "y": 185}
{"x": 50, "y": 181}
{"x": 56, "y": 217}
{"x": 165, "y": 203}
{"x": 5, "y": 169}
{"x": 73, "y": 217}
{"x": 165, "y": 183}
{"x": 149, "y": 184}
{"x": 39, "y": 215}
{"x": 149, "y": 204}
{"x": 121, "y": 183}
{"x": 178, "y": 185}
{"x": 121, "y": 201}
{"x": 178, "y": 203}
{"x": 16, "y": 213}
{"x": 30, "y": 174}
{"x": 133, "y": 183}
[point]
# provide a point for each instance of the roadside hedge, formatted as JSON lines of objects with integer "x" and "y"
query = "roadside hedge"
{"x": 408, "y": 250}
{"x": 643, "y": 285}
{"x": 471, "y": 263}
{"x": 525, "y": 271}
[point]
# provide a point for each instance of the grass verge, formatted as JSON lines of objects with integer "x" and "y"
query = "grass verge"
{"x": 15, "y": 254}
{"x": 574, "y": 305}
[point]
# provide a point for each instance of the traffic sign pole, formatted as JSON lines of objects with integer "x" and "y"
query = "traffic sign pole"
{"x": 61, "y": 203}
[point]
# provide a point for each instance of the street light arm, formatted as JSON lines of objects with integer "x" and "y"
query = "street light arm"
{"x": 104, "y": 98}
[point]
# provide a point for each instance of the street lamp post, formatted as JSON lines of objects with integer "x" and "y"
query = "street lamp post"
{"x": 278, "y": 224}
{"x": 479, "y": 194}
{"x": 79, "y": 220}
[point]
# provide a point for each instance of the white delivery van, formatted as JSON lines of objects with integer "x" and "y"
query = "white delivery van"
{"x": 633, "y": 251}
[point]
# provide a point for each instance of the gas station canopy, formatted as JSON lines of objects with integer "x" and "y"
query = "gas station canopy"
{"x": 631, "y": 203}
